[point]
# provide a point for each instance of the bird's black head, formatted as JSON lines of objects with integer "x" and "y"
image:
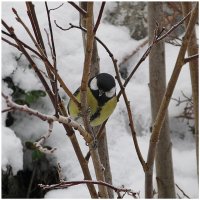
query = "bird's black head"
{"x": 103, "y": 87}
{"x": 105, "y": 82}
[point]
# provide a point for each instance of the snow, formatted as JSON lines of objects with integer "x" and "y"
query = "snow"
{"x": 22, "y": 79}
{"x": 12, "y": 151}
{"x": 69, "y": 193}
{"x": 125, "y": 166}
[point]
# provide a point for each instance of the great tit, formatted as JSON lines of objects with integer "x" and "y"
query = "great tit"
{"x": 101, "y": 97}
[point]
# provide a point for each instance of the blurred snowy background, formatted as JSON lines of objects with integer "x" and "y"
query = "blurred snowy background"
{"x": 125, "y": 166}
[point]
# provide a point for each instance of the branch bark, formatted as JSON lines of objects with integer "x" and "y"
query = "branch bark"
{"x": 99, "y": 170}
{"x": 66, "y": 184}
{"x": 55, "y": 78}
{"x": 191, "y": 58}
{"x": 157, "y": 86}
{"x": 164, "y": 105}
{"x": 194, "y": 74}
{"x": 94, "y": 70}
{"x": 82, "y": 11}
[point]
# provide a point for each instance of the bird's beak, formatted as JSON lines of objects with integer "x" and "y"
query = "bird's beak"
{"x": 101, "y": 92}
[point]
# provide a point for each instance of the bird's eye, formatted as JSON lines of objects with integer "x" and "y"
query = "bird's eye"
{"x": 111, "y": 92}
{"x": 93, "y": 84}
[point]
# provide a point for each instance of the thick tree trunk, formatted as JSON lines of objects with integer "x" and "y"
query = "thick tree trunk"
{"x": 194, "y": 73}
{"x": 164, "y": 165}
{"x": 102, "y": 143}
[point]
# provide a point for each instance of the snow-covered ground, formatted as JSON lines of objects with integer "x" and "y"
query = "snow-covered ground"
{"x": 125, "y": 166}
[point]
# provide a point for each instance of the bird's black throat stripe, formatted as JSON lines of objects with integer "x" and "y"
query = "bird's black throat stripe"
{"x": 96, "y": 114}
{"x": 100, "y": 99}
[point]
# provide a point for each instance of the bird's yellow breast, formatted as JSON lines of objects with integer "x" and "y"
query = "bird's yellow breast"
{"x": 101, "y": 113}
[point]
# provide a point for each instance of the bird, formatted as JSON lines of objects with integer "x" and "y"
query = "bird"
{"x": 101, "y": 98}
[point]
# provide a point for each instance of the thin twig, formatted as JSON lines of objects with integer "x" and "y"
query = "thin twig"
{"x": 7, "y": 110}
{"x": 54, "y": 84}
{"x": 190, "y": 58}
{"x": 35, "y": 25}
{"x": 99, "y": 17}
{"x": 39, "y": 143}
{"x": 83, "y": 29}
{"x": 45, "y": 75}
{"x": 48, "y": 39}
{"x": 10, "y": 43}
{"x": 40, "y": 49}
{"x": 82, "y": 11}
{"x": 182, "y": 191}
{"x": 66, "y": 184}
{"x": 131, "y": 123}
{"x": 134, "y": 52}
{"x": 56, "y": 7}
{"x": 174, "y": 27}
{"x": 51, "y": 34}
{"x": 99, "y": 135}
{"x": 21, "y": 42}
{"x": 184, "y": 117}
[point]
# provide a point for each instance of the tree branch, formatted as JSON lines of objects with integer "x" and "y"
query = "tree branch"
{"x": 49, "y": 118}
{"x": 54, "y": 83}
{"x": 56, "y": 7}
{"x": 190, "y": 58}
{"x": 66, "y": 184}
{"x": 182, "y": 191}
{"x": 99, "y": 17}
{"x": 86, "y": 68}
{"x": 84, "y": 104}
{"x": 21, "y": 42}
{"x": 35, "y": 25}
{"x": 164, "y": 105}
{"x": 38, "y": 144}
{"x": 82, "y": 12}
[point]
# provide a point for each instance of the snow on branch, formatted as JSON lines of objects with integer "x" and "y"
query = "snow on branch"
{"x": 66, "y": 184}
{"x": 49, "y": 118}
{"x": 39, "y": 143}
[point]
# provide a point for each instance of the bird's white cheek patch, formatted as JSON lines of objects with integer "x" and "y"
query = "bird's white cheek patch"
{"x": 93, "y": 84}
{"x": 111, "y": 93}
